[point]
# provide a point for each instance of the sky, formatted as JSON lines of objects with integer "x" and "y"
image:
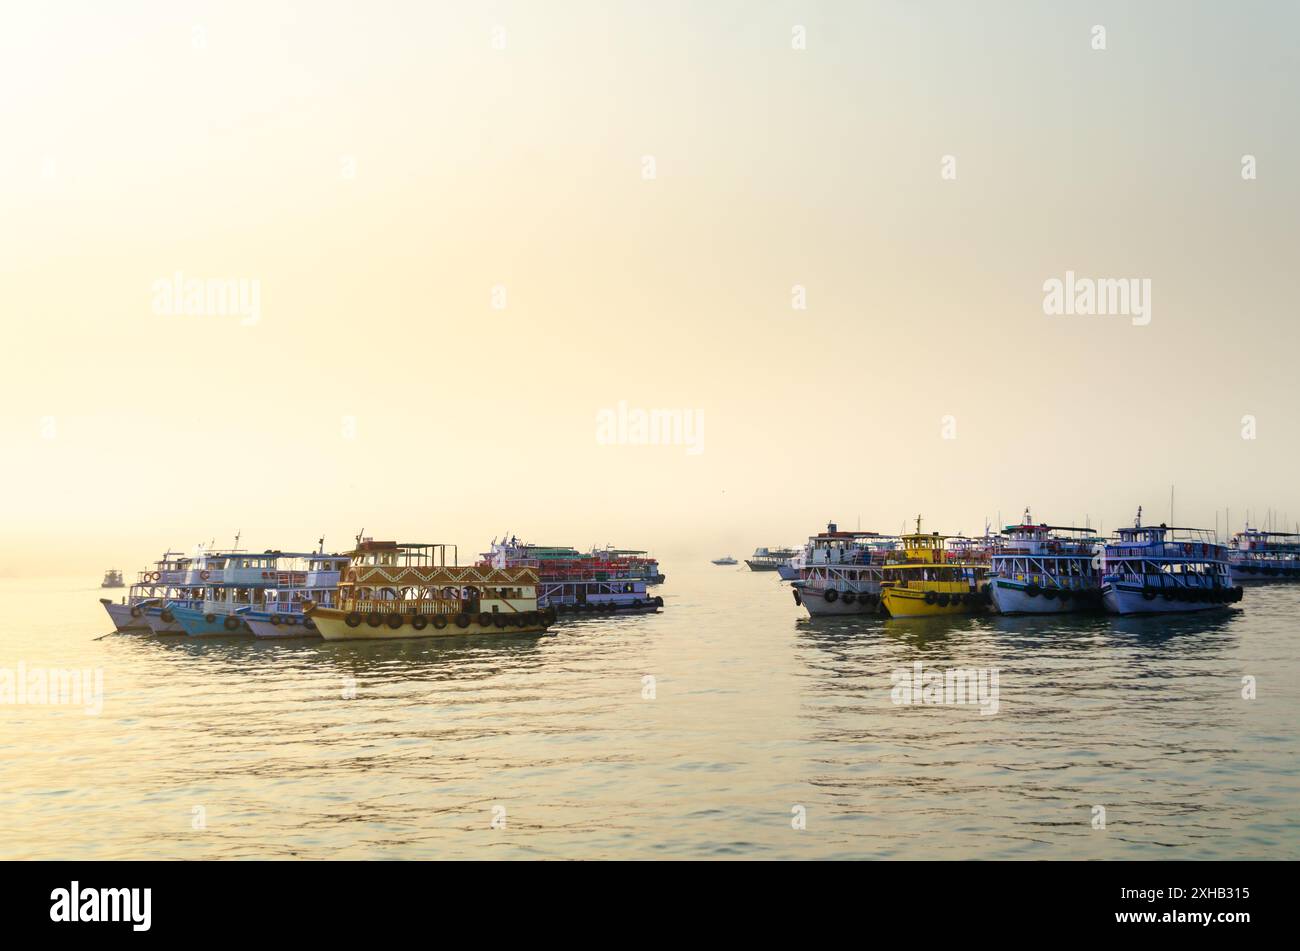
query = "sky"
{"x": 816, "y": 237}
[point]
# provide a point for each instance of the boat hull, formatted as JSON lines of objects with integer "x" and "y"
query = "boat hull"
{"x": 787, "y": 572}
{"x": 1254, "y": 575}
{"x": 198, "y": 624}
{"x": 906, "y": 602}
{"x": 121, "y": 616}
{"x": 815, "y": 603}
{"x": 760, "y": 566}
{"x": 159, "y": 626}
{"x": 1130, "y": 600}
{"x": 333, "y": 626}
{"x": 292, "y": 626}
{"x": 1011, "y": 597}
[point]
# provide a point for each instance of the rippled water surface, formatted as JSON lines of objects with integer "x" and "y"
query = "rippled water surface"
{"x": 755, "y": 711}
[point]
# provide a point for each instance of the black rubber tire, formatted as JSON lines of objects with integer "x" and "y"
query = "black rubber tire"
{"x": 419, "y": 622}
{"x": 850, "y": 597}
{"x": 1033, "y": 590}
{"x": 394, "y": 621}
{"x": 931, "y": 598}
{"x": 830, "y": 594}
{"x": 659, "y": 602}
{"x": 1049, "y": 594}
{"x": 484, "y": 619}
{"x": 231, "y": 623}
{"x": 353, "y": 620}
{"x": 462, "y": 620}
{"x": 275, "y": 620}
{"x": 308, "y": 624}
{"x": 797, "y": 600}
{"x": 210, "y": 618}
{"x": 1148, "y": 593}
{"x": 439, "y": 621}
{"x": 136, "y": 611}
{"x": 167, "y": 615}
{"x": 499, "y": 620}
{"x": 373, "y": 619}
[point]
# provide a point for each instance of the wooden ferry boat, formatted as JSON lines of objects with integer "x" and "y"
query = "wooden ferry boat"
{"x": 146, "y": 608}
{"x": 769, "y": 559}
{"x": 406, "y": 589}
{"x": 926, "y": 583}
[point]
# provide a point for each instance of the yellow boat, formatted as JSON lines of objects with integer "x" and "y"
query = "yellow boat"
{"x": 925, "y": 583}
{"x": 405, "y": 589}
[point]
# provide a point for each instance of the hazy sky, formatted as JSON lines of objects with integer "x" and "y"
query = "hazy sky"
{"x": 387, "y": 175}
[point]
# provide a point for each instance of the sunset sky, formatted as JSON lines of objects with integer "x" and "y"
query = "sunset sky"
{"x": 473, "y": 228}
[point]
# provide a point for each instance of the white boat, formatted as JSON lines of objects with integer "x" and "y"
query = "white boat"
{"x": 769, "y": 559}
{"x": 1045, "y": 569}
{"x": 1159, "y": 569}
{"x": 142, "y": 609}
{"x": 1255, "y": 556}
{"x": 725, "y": 560}
{"x": 299, "y": 581}
{"x": 841, "y": 572}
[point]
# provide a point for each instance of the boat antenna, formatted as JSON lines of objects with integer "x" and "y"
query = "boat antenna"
{"x": 1138, "y": 523}
{"x": 359, "y": 535}
{"x": 322, "y": 545}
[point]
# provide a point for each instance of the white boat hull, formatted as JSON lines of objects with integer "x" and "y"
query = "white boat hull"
{"x": 815, "y": 603}
{"x": 1241, "y": 576}
{"x": 1011, "y": 599}
{"x": 788, "y": 572}
{"x": 264, "y": 628}
{"x": 159, "y": 626}
{"x": 1121, "y": 601}
{"x": 120, "y": 615}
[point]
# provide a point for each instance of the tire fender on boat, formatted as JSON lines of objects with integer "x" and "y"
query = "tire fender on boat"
{"x": 830, "y": 594}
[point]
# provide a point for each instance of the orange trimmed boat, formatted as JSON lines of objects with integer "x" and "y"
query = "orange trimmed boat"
{"x": 406, "y": 589}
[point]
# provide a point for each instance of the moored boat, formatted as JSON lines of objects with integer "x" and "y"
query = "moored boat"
{"x": 571, "y": 581}
{"x": 841, "y": 572}
{"x": 314, "y": 579}
{"x": 405, "y": 589}
{"x": 1159, "y": 569}
{"x": 113, "y": 579}
{"x": 769, "y": 559}
{"x": 146, "y": 603}
{"x": 232, "y": 588}
{"x": 926, "y": 583}
{"x": 1258, "y": 556}
{"x": 1045, "y": 569}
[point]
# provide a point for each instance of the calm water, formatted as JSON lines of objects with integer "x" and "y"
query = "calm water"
{"x": 756, "y": 710}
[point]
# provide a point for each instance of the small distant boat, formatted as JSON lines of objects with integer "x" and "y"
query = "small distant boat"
{"x": 769, "y": 559}
{"x": 1255, "y": 556}
{"x": 113, "y": 579}
{"x": 725, "y": 560}
{"x": 1158, "y": 569}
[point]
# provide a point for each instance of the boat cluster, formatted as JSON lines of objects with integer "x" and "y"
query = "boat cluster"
{"x": 383, "y": 589}
{"x": 1032, "y": 568}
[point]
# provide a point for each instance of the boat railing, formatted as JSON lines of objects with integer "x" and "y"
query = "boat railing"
{"x": 1173, "y": 551}
{"x": 445, "y": 606}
